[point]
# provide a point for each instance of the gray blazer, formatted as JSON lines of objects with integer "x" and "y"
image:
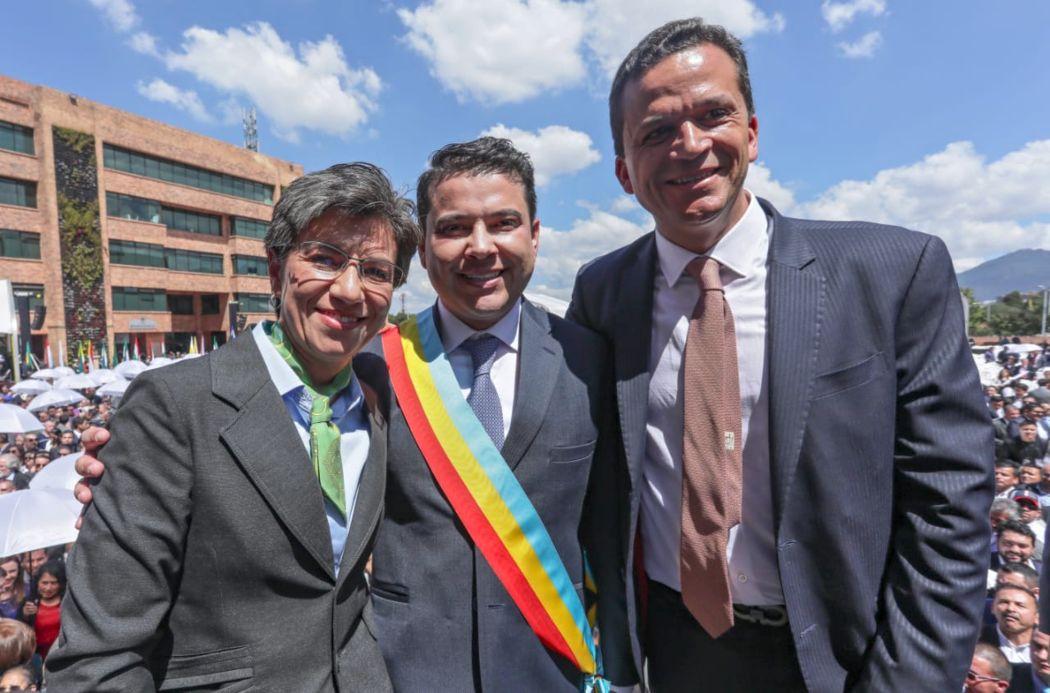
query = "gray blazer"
{"x": 443, "y": 619}
{"x": 881, "y": 450}
{"x": 205, "y": 560}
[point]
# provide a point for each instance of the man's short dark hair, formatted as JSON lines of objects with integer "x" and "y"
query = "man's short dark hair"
{"x": 480, "y": 157}
{"x": 358, "y": 189}
{"x": 1027, "y": 572}
{"x": 674, "y": 37}
{"x": 1017, "y": 527}
{"x": 1008, "y": 463}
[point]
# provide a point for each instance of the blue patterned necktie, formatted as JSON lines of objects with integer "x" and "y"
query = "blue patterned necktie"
{"x": 483, "y": 398}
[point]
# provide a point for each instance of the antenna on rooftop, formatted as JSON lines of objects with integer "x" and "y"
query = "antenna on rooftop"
{"x": 251, "y": 132}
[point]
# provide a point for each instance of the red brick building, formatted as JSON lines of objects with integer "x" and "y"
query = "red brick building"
{"x": 178, "y": 224}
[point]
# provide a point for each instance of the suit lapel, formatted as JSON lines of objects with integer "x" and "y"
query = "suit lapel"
{"x": 539, "y": 353}
{"x": 633, "y": 325}
{"x": 796, "y": 309}
{"x": 372, "y": 484}
{"x": 268, "y": 448}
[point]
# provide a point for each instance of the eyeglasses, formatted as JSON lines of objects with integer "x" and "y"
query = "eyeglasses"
{"x": 973, "y": 677}
{"x": 328, "y": 262}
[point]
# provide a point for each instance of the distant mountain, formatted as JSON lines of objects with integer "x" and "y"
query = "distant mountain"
{"x": 1021, "y": 270}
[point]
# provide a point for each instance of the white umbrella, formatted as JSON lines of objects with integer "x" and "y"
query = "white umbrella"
{"x": 55, "y": 398}
{"x": 77, "y": 381}
{"x": 101, "y": 376}
{"x": 62, "y": 371}
{"x": 129, "y": 369}
{"x": 15, "y": 419}
{"x": 189, "y": 356}
{"x": 45, "y": 373}
{"x": 36, "y": 519}
{"x": 58, "y": 475}
{"x": 159, "y": 362}
{"x": 113, "y": 389}
{"x": 1022, "y": 348}
{"x": 30, "y": 387}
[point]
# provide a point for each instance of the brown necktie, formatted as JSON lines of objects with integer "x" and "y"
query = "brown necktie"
{"x": 711, "y": 447}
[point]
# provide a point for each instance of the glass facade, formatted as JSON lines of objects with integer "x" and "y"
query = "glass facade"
{"x": 253, "y": 228}
{"x": 132, "y": 253}
{"x": 184, "y": 174}
{"x": 254, "y": 303}
{"x": 180, "y": 304}
{"x": 16, "y": 138}
{"x": 130, "y": 298}
{"x": 209, "y": 304}
{"x": 23, "y": 244}
{"x": 194, "y": 222}
{"x": 189, "y": 261}
{"x": 249, "y": 264}
{"x": 134, "y": 208}
{"x": 17, "y": 192}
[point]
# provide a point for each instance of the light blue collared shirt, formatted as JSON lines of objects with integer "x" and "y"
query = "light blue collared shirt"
{"x": 348, "y": 414}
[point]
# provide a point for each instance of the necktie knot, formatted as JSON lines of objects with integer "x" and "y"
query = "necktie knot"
{"x": 705, "y": 270}
{"x": 320, "y": 410}
{"x": 482, "y": 350}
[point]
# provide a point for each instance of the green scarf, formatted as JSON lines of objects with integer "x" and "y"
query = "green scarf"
{"x": 324, "y": 435}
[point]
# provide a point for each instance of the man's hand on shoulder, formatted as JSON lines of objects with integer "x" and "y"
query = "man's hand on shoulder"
{"x": 88, "y": 465}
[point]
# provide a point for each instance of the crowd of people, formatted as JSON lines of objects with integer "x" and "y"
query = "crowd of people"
{"x": 1013, "y": 654}
{"x": 33, "y": 583}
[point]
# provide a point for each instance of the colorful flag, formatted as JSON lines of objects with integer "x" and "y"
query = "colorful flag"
{"x": 50, "y": 360}
{"x": 137, "y": 356}
{"x": 193, "y": 345}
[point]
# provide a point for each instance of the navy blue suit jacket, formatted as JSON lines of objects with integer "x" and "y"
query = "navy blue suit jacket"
{"x": 881, "y": 451}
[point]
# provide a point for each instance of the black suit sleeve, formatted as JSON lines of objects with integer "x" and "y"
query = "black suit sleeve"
{"x": 126, "y": 566}
{"x": 934, "y": 584}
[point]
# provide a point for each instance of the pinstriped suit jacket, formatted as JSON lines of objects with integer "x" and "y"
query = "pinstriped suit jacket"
{"x": 881, "y": 451}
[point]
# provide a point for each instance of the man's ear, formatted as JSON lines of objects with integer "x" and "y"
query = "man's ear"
{"x": 623, "y": 175}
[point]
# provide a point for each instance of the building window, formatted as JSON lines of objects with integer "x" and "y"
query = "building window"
{"x": 249, "y": 264}
{"x": 133, "y": 299}
{"x": 184, "y": 174}
{"x": 253, "y": 228}
{"x": 194, "y": 222}
{"x": 134, "y": 208}
{"x": 209, "y": 304}
{"x": 189, "y": 261}
{"x": 21, "y": 244}
{"x": 254, "y": 303}
{"x": 180, "y": 304}
{"x": 17, "y": 192}
{"x": 16, "y": 138}
{"x": 132, "y": 253}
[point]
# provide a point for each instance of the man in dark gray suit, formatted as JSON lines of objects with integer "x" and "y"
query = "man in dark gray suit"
{"x": 443, "y": 618}
{"x": 226, "y": 545}
{"x": 841, "y": 528}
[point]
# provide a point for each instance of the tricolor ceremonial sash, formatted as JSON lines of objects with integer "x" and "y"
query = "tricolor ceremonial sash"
{"x": 485, "y": 494}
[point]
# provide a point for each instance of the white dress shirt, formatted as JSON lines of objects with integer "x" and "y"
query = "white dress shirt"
{"x": 1015, "y": 654}
{"x": 743, "y": 254}
{"x": 504, "y": 371}
{"x": 349, "y": 416}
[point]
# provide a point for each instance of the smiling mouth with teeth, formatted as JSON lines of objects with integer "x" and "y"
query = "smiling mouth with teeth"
{"x": 482, "y": 277}
{"x": 693, "y": 179}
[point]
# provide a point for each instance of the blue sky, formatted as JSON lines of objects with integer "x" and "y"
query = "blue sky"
{"x": 932, "y": 114}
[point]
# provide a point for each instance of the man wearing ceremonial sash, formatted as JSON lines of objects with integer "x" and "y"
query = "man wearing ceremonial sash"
{"x": 478, "y": 571}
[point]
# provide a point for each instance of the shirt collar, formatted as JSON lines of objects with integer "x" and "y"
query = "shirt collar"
{"x": 1005, "y": 641}
{"x": 742, "y": 250}
{"x": 454, "y": 331}
{"x": 287, "y": 382}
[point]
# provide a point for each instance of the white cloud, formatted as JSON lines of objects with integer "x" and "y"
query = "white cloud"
{"x": 615, "y": 26}
{"x": 506, "y": 51}
{"x": 839, "y": 15}
{"x": 120, "y": 13}
{"x": 864, "y": 47}
{"x": 312, "y": 88}
{"x": 145, "y": 43}
{"x": 185, "y": 100}
{"x": 979, "y": 208}
{"x": 555, "y": 150}
{"x": 760, "y": 181}
{"x": 625, "y": 204}
{"x": 562, "y": 253}
{"x": 499, "y": 51}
